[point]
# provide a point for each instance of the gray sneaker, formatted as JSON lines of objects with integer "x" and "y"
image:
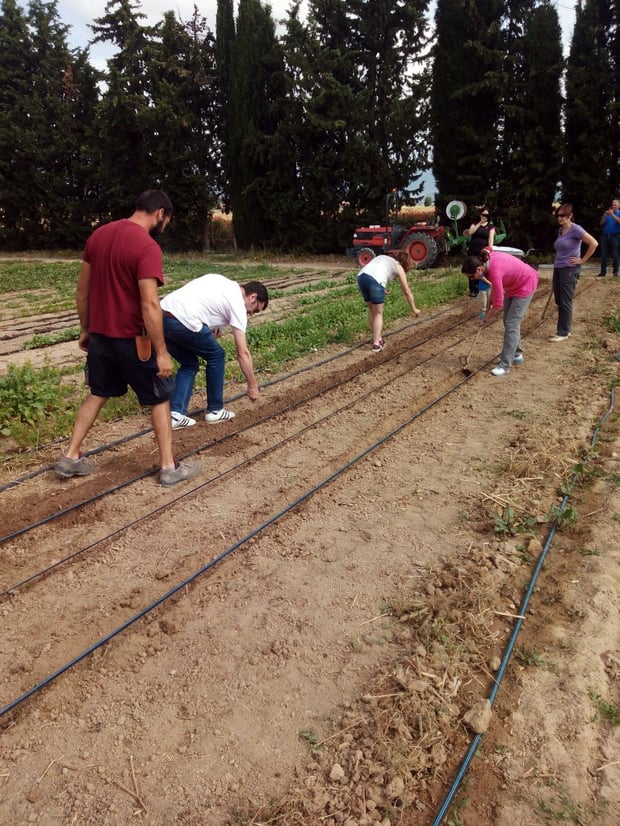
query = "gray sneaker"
{"x": 183, "y": 472}
{"x": 67, "y": 467}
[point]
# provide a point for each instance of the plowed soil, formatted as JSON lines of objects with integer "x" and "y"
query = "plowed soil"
{"x": 373, "y": 549}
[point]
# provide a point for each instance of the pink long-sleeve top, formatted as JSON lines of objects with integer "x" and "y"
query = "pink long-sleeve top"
{"x": 510, "y": 277}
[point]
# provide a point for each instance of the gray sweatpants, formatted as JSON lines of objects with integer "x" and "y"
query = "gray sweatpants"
{"x": 514, "y": 310}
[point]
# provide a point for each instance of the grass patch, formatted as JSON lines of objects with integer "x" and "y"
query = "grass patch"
{"x": 38, "y": 405}
{"x": 48, "y": 339}
{"x": 605, "y": 710}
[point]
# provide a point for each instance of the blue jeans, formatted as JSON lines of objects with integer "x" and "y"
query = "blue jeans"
{"x": 610, "y": 242}
{"x": 186, "y": 346}
{"x": 564, "y": 282}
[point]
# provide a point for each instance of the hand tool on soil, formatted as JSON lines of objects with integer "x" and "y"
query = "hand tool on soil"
{"x": 465, "y": 359}
{"x": 544, "y": 312}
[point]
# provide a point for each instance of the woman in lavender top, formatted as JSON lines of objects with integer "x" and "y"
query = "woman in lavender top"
{"x": 567, "y": 266}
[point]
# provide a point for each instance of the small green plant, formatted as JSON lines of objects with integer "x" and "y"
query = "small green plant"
{"x": 528, "y": 656}
{"x": 310, "y": 737}
{"x": 27, "y": 396}
{"x": 566, "y": 518}
{"x": 612, "y": 321}
{"x": 505, "y": 523}
{"x": 52, "y": 338}
{"x": 606, "y": 710}
{"x": 562, "y": 810}
{"x": 590, "y": 552}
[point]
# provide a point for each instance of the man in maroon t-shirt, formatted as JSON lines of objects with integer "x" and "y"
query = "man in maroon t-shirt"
{"x": 122, "y": 331}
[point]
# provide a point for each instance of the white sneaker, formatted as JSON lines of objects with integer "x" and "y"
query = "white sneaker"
{"x": 179, "y": 420}
{"x": 499, "y": 371}
{"x": 558, "y": 338}
{"x": 518, "y": 359}
{"x": 216, "y": 416}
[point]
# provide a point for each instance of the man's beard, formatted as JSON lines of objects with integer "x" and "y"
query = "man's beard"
{"x": 157, "y": 230}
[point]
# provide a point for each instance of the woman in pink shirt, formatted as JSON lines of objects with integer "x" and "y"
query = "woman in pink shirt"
{"x": 513, "y": 283}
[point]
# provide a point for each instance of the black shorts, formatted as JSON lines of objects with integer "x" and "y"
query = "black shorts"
{"x": 113, "y": 365}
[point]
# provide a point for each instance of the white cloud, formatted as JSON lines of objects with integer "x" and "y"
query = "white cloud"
{"x": 79, "y": 14}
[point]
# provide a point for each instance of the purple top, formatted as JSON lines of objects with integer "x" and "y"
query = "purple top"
{"x": 568, "y": 245}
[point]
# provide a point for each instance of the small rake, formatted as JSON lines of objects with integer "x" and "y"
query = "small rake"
{"x": 465, "y": 359}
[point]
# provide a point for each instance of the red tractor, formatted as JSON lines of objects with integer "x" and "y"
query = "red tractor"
{"x": 423, "y": 241}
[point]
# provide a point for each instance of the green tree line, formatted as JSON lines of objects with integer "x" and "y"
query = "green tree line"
{"x": 300, "y": 127}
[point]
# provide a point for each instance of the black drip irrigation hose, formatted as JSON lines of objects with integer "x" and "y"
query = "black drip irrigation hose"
{"x": 152, "y": 471}
{"x": 519, "y": 622}
{"x": 304, "y": 497}
{"x": 145, "y": 431}
{"x": 12, "y": 589}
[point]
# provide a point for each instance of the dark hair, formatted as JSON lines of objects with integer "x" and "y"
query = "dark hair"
{"x": 402, "y": 256}
{"x": 472, "y": 262}
{"x": 566, "y": 207}
{"x": 153, "y": 200}
{"x": 261, "y": 292}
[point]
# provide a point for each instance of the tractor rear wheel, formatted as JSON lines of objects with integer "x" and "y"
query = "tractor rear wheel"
{"x": 422, "y": 249}
{"x": 364, "y": 256}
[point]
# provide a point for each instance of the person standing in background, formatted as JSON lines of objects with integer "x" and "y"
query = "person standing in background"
{"x": 610, "y": 238}
{"x": 481, "y": 234}
{"x": 567, "y": 267}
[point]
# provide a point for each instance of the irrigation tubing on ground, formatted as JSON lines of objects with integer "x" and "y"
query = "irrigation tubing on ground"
{"x": 188, "y": 580}
{"x": 11, "y": 589}
{"x": 519, "y": 622}
{"x": 144, "y": 431}
{"x": 144, "y": 474}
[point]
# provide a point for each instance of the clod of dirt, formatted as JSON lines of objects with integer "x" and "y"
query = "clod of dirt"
{"x": 478, "y": 717}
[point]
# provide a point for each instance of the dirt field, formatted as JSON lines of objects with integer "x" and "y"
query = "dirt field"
{"x": 297, "y": 636}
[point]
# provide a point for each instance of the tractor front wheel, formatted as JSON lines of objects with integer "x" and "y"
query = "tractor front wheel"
{"x": 422, "y": 249}
{"x": 364, "y": 256}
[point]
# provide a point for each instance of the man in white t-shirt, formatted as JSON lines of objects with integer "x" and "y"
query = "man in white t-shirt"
{"x": 194, "y": 317}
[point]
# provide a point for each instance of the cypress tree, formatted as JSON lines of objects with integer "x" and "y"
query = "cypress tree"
{"x": 256, "y": 65}
{"x": 184, "y": 122}
{"x": 465, "y": 98}
{"x": 17, "y": 144}
{"x": 530, "y": 149}
{"x": 590, "y": 170}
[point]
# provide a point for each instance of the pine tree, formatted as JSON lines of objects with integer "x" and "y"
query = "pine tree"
{"x": 126, "y": 167}
{"x": 355, "y": 113}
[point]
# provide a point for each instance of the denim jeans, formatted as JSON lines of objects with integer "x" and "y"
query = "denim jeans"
{"x": 514, "y": 310}
{"x": 564, "y": 282}
{"x": 186, "y": 346}
{"x": 610, "y": 242}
